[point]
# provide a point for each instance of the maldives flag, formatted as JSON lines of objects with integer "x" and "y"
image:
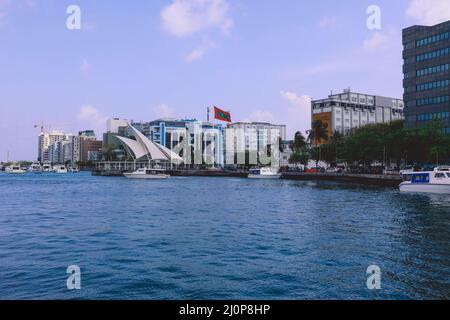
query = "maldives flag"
{"x": 222, "y": 115}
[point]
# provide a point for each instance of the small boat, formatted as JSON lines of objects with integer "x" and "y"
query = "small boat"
{"x": 145, "y": 173}
{"x": 36, "y": 168}
{"x": 73, "y": 169}
{"x": 14, "y": 169}
{"x": 47, "y": 167}
{"x": 264, "y": 173}
{"x": 436, "y": 181}
{"x": 59, "y": 169}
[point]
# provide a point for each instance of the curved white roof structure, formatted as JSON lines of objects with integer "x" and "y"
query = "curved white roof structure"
{"x": 143, "y": 147}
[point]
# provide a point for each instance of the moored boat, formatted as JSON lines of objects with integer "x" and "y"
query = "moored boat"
{"x": 264, "y": 173}
{"x": 14, "y": 169}
{"x": 145, "y": 173}
{"x": 47, "y": 167}
{"x": 59, "y": 169}
{"x": 426, "y": 182}
{"x": 35, "y": 168}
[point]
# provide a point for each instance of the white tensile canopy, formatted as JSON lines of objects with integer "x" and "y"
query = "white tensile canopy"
{"x": 143, "y": 147}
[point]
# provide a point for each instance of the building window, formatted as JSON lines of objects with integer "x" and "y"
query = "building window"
{"x": 433, "y": 116}
{"x": 433, "y": 100}
{"x": 433, "y": 55}
{"x": 433, "y": 39}
{"x": 432, "y": 85}
{"x": 433, "y": 70}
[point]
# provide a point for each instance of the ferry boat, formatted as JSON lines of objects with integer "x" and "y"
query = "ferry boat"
{"x": 264, "y": 173}
{"x": 437, "y": 181}
{"x": 14, "y": 169}
{"x": 36, "y": 168}
{"x": 59, "y": 169}
{"x": 145, "y": 173}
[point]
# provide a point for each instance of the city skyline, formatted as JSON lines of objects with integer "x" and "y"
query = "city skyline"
{"x": 143, "y": 61}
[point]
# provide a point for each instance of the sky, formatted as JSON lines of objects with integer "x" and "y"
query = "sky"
{"x": 142, "y": 60}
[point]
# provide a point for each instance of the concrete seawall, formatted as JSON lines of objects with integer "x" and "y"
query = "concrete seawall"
{"x": 368, "y": 179}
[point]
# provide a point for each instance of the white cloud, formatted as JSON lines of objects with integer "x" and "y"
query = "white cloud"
{"x": 429, "y": 12}
{"x": 163, "y": 111}
{"x": 86, "y": 67}
{"x": 187, "y": 17}
{"x": 92, "y": 117}
{"x": 382, "y": 39}
{"x": 299, "y": 113}
{"x": 199, "y": 52}
{"x": 376, "y": 40}
{"x": 328, "y": 22}
{"x": 261, "y": 116}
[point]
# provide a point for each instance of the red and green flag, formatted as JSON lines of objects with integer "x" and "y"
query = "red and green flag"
{"x": 222, "y": 115}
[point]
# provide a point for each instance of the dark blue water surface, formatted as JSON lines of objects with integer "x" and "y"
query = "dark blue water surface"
{"x": 218, "y": 238}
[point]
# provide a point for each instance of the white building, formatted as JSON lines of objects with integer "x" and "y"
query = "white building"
{"x": 348, "y": 110}
{"x": 254, "y": 137}
{"x": 198, "y": 138}
{"x": 113, "y": 125}
{"x": 45, "y": 141}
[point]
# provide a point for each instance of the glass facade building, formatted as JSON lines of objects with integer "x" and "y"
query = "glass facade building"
{"x": 426, "y": 83}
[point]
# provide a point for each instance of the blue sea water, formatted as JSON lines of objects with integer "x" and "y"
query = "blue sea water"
{"x": 218, "y": 238}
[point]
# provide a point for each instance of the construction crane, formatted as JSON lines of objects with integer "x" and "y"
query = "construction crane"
{"x": 42, "y": 126}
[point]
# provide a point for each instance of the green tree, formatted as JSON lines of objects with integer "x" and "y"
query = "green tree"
{"x": 318, "y": 132}
{"x": 299, "y": 142}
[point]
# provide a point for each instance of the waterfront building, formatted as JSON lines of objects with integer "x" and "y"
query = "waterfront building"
{"x": 197, "y": 137}
{"x": 426, "y": 70}
{"x": 89, "y": 149}
{"x": 348, "y": 110}
{"x": 286, "y": 153}
{"x": 113, "y": 125}
{"x": 45, "y": 141}
{"x": 84, "y": 142}
{"x": 256, "y": 138}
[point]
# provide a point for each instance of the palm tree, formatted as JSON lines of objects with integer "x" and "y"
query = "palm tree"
{"x": 108, "y": 151}
{"x": 299, "y": 142}
{"x": 318, "y": 132}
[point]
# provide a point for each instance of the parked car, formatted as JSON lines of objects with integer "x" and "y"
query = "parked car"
{"x": 315, "y": 170}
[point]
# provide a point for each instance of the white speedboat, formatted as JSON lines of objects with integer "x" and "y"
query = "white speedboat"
{"x": 145, "y": 173}
{"x": 59, "y": 169}
{"x": 47, "y": 167}
{"x": 73, "y": 169}
{"x": 436, "y": 181}
{"x": 35, "y": 168}
{"x": 264, "y": 173}
{"x": 14, "y": 169}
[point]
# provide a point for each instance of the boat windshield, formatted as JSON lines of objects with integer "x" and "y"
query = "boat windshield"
{"x": 421, "y": 178}
{"x": 255, "y": 171}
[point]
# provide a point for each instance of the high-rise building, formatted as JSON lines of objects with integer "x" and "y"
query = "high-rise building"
{"x": 426, "y": 69}
{"x": 348, "y": 110}
{"x": 253, "y": 137}
{"x": 45, "y": 141}
{"x": 113, "y": 125}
